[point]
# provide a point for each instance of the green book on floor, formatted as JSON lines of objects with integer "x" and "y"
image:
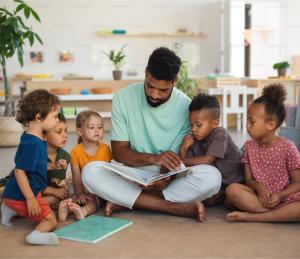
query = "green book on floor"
{"x": 92, "y": 229}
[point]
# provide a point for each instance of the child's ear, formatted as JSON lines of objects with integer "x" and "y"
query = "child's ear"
{"x": 38, "y": 117}
{"x": 215, "y": 123}
{"x": 271, "y": 125}
{"x": 78, "y": 131}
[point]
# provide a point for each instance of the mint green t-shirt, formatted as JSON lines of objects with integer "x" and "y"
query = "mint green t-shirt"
{"x": 148, "y": 129}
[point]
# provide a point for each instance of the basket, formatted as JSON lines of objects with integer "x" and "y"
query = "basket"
{"x": 60, "y": 91}
{"x": 10, "y": 132}
{"x": 103, "y": 90}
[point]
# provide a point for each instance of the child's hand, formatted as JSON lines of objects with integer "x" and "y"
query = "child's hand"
{"x": 187, "y": 141}
{"x": 275, "y": 200}
{"x": 61, "y": 193}
{"x": 82, "y": 199}
{"x": 61, "y": 164}
{"x": 264, "y": 196}
{"x": 33, "y": 207}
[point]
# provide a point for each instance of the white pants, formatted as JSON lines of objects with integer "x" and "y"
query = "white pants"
{"x": 201, "y": 183}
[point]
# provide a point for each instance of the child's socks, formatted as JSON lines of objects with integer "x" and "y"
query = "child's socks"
{"x": 7, "y": 214}
{"x": 40, "y": 238}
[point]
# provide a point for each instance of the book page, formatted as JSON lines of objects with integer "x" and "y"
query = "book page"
{"x": 128, "y": 173}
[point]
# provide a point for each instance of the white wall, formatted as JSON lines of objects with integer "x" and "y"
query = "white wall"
{"x": 236, "y": 28}
{"x": 290, "y": 28}
{"x": 72, "y": 25}
{"x": 266, "y": 38}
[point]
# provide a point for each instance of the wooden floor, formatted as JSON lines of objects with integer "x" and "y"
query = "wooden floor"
{"x": 155, "y": 235}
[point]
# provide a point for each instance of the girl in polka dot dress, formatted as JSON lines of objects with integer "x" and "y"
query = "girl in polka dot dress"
{"x": 272, "y": 166}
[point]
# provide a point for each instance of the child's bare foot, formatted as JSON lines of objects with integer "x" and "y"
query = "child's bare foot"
{"x": 78, "y": 211}
{"x": 63, "y": 210}
{"x": 110, "y": 208}
{"x": 237, "y": 216}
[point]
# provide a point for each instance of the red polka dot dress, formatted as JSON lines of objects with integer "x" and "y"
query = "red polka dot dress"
{"x": 271, "y": 166}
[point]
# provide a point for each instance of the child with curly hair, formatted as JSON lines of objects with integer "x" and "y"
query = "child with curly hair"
{"x": 272, "y": 166}
{"x": 37, "y": 111}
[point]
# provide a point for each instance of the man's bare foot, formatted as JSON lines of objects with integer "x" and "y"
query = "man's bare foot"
{"x": 110, "y": 208}
{"x": 63, "y": 210}
{"x": 192, "y": 210}
{"x": 237, "y": 216}
{"x": 188, "y": 209}
{"x": 201, "y": 211}
{"x": 78, "y": 211}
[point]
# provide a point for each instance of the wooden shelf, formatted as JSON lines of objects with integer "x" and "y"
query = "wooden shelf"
{"x": 153, "y": 35}
{"x": 85, "y": 97}
{"x": 103, "y": 115}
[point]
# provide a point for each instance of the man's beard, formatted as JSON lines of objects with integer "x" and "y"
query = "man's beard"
{"x": 156, "y": 104}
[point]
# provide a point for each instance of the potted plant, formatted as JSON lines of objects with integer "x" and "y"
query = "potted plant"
{"x": 117, "y": 57}
{"x": 184, "y": 83}
{"x": 281, "y": 68}
{"x": 13, "y": 36}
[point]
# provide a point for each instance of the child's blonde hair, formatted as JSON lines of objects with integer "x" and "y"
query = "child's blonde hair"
{"x": 83, "y": 117}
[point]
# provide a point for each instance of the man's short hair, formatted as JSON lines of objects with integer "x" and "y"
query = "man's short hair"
{"x": 206, "y": 102}
{"x": 164, "y": 64}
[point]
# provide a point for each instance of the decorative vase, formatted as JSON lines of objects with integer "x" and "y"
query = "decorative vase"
{"x": 281, "y": 72}
{"x": 117, "y": 74}
{"x": 10, "y": 132}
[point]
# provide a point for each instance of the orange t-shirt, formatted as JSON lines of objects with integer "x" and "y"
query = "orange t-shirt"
{"x": 81, "y": 158}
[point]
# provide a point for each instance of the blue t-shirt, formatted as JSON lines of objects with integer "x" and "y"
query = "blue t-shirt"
{"x": 31, "y": 157}
{"x": 149, "y": 129}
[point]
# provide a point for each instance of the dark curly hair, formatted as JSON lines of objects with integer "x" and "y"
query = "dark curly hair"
{"x": 164, "y": 64}
{"x": 38, "y": 101}
{"x": 61, "y": 117}
{"x": 273, "y": 97}
{"x": 206, "y": 102}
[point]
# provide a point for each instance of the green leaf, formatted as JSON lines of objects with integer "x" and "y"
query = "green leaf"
{"x": 20, "y": 56}
{"x": 38, "y": 38}
{"x": 26, "y": 11}
{"x": 20, "y": 1}
{"x": 31, "y": 38}
{"x": 35, "y": 15}
{"x": 20, "y": 7}
{"x": 6, "y": 11}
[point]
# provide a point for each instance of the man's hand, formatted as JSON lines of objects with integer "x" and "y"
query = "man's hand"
{"x": 157, "y": 185}
{"x": 168, "y": 159}
{"x": 61, "y": 193}
{"x": 33, "y": 207}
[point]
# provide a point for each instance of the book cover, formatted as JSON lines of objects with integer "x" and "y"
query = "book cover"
{"x": 92, "y": 229}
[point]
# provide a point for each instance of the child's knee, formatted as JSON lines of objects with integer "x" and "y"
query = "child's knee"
{"x": 232, "y": 191}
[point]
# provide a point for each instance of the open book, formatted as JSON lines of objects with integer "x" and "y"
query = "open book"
{"x": 141, "y": 175}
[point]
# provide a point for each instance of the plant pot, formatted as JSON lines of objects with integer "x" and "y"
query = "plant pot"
{"x": 281, "y": 72}
{"x": 10, "y": 132}
{"x": 292, "y": 134}
{"x": 117, "y": 74}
